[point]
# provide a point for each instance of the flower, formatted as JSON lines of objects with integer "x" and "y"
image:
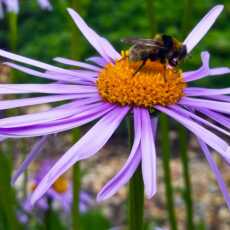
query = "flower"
{"x": 12, "y": 6}
{"x": 60, "y": 192}
{"x": 107, "y": 90}
{"x": 45, "y": 4}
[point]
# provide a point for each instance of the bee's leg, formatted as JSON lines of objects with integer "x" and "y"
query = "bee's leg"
{"x": 140, "y": 67}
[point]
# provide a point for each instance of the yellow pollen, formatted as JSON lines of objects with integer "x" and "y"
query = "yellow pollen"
{"x": 60, "y": 185}
{"x": 152, "y": 85}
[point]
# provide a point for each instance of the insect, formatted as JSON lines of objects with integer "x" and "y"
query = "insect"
{"x": 163, "y": 48}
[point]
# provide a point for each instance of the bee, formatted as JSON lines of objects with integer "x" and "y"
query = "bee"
{"x": 163, "y": 48}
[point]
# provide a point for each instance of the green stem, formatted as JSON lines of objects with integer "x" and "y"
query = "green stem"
{"x": 76, "y": 176}
{"x": 165, "y": 143}
{"x": 13, "y": 31}
{"x": 76, "y": 183}
{"x": 76, "y": 197}
{"x": 187, "y": 191}
{"x": 75, "y": 47}
{"x": 136, "y": 192}
{"x": 186, "y": 177}
{"x": 150, "y": 9}
{"x": 188, "y": 8}
{"x": 48, "y": 215}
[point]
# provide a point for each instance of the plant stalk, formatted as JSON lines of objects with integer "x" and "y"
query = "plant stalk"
{"x": 165, "y": 144}
{"x": 136, "y": 191}
{"x": 187, "y": 191}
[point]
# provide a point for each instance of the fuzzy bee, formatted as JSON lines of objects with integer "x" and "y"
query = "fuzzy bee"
{"x": 162, "y": 47}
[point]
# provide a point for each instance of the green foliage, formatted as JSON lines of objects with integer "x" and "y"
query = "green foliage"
{"x": 8, "y": 219}
{"x": 94, "y": 220}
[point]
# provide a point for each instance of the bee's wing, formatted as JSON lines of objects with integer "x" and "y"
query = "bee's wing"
{"x": 202, "y": 27}
{"x": 142, "y": 41}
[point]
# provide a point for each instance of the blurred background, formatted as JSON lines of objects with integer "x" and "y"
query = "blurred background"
{"x": 43, "y": 35}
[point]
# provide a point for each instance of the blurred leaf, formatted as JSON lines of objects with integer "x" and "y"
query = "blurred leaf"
{"x": 94, "y": 220}
{"x": 52, "y": 220}
{"x": 8, "y": 219}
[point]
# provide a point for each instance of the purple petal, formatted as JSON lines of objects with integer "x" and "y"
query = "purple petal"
{"x": 204, "y": 70}
{"x": 223, "y": 107}
{"x": 59, "y": 112}
{"x": 2, "y": 138}
{"x": 98, "y": 60}
{"x": 196, "y": 91}
{"x": 105, "y": 49}
{"x": 46, "y": 88}
{"x": 127, "y": 171}
{"x": 219, "y": 97}
{"x": 154, "y": 126}
{"x": 29, "y": 61}
{"x": 216, "y": 172}
{"x": 197, "y": 118}
{"x": 202, "y": 27}
{"x": 87, "y": 146}
{"x": 15, "y": 103}
{"x": 62, "y": 199}
{"x": 148, "y": 155}
{"x": 57, "y": 126}
{"x": 45, "y": 4}
{"x": 12, "y": 6}
{"x": 33, "y": 154}
{"x": 71, "y": 77}
{"x": 208, "y": 137}
{"x": 109, "y": 49}
{"x": 83, "y": 65}
{"x": 219, "y": 118}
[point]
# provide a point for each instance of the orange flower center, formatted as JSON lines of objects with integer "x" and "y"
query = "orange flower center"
{"x": 60, "y": 185}
{"x": 152, "y": 85}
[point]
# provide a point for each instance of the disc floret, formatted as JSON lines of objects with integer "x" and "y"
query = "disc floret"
{"x": 151, "y": 86}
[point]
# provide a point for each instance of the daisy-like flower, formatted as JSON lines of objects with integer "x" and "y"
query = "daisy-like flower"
{"x": 45, "y": 4}
{"x": 60, "y": 192}
{"x": 12, "y": 6}
{"x": 107, "y": 90}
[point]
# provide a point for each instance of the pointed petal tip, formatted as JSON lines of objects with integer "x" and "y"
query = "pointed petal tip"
{"x": 13, "y": 180}
{"x": 220, "y": 7}
{"x": 100, "y": 198}
{"x": 150, "y": 194}
{"x": 200, "y": 30}
{"x": 70, "y": 10}
{"x": 205, "y": 54}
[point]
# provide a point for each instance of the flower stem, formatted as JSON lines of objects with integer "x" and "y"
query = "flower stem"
{"x": 13, "y": 31}
{"x": 76, "y": 178}
{"x": 76, "y": 197}
{"x": 136, "y": 192}
{"x": 165, "y": 143}
{"x": 188, "y": 10}
{"x": 187, "y": 195}
{"x": 187, "y": 192}
{"x": 76, "y": 174}
{"x": 150, "y": 10}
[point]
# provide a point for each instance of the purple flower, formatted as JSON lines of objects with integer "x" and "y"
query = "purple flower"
{"x": 12, "y": 6}
{"x": 60, "y": 192}
{"x": 104, "y": 88}
{"x": 45, "y": 4}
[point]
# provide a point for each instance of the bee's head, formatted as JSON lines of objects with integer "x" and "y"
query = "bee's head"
{"x": 182, "y": 52}
{"x": 178, "y": 56}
